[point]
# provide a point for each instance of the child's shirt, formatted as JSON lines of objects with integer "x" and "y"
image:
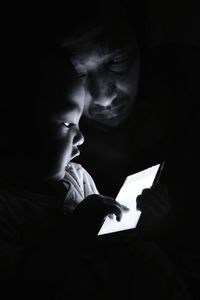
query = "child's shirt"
{"x": 26, "y": 218}
{"x": 80, "y": 186}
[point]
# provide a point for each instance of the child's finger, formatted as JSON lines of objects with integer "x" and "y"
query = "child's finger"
{"x": 103, "y": 206}
{"x": 114, "y": 210}
{"x": 124, "y": 208}
{"x": 111, "y": 206}
{"x": 111, "y": 216}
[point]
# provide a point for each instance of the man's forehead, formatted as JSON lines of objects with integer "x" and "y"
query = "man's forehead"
{"x": 93, "y": 53}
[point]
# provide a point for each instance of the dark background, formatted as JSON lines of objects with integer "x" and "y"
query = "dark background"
{"x": 174, "y": 21}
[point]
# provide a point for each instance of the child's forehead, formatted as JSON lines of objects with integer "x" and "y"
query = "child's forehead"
{"x": 70, "y": 105}
{"x": 72, "y": 102}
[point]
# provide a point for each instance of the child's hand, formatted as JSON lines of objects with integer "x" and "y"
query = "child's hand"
{"x": 91, "y": 212}
{"x": 155, "y": 206}
{"x": 100, "y": 206}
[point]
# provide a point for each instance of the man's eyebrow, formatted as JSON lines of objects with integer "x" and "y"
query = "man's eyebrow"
{"x": 127, "y": 48}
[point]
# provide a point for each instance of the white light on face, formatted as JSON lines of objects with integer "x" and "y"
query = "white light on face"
{"x": 132, "y": 187}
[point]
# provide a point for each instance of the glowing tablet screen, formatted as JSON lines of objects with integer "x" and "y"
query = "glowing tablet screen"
{"x": 132, "y": 187}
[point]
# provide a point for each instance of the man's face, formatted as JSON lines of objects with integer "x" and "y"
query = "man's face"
{"x": 110, "y": 74}
{"x": 58, "y": 114}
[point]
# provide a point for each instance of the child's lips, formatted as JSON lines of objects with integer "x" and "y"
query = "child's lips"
{"x": 75, "y": 152}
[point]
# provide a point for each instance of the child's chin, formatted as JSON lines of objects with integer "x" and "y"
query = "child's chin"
{"x": 75, "y": 153}
{"x": 60, "y": 176}
{"x": 56, "y": 177}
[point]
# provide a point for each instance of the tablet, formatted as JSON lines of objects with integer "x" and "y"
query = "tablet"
{"x": 132, "y": 187}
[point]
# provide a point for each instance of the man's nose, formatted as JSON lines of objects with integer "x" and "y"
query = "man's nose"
{"x": 78, "y": 138}
{"x": 101, "y": 89}
{"x": 103, "y": 101}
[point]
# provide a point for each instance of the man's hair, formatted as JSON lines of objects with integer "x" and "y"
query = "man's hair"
{"x": 32, "y": 33}
{"x": 118, "y": 17}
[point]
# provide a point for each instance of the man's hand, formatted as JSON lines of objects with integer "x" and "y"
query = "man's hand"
{"x": 154, "y": 204}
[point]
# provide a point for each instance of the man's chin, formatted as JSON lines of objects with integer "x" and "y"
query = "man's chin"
{"x": 111, "y": 121}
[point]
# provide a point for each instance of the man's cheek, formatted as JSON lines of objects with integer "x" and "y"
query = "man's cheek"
{"x": 125, "y": 87}
{"x": 129, "y": 85}
{"x": 86, "y": 108}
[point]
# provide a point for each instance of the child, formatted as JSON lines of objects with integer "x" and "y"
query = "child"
{"x": 34, "y": 201}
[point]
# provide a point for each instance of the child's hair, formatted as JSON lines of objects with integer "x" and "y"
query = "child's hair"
{"x": 29, "y": 37}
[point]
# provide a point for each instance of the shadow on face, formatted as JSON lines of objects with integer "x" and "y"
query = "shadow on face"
{"x": 61, "y": 101}
{"x": 48, "y": 135}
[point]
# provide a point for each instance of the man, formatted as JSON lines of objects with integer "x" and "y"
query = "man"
{"x": 134, "y": 103}
{"x": 139, "y": 106}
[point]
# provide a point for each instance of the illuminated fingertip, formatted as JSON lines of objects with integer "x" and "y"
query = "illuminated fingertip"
{"x": 125, "y": 208}
{"x": 118, "y": 218}
{"x": 111, "y": 216}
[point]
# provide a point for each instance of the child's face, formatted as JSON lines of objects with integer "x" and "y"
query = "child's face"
{"x": 60, "y": 105}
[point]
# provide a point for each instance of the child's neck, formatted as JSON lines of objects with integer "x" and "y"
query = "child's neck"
{"x": 18, "y": 177}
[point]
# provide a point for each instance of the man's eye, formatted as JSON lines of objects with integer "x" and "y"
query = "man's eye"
{"x": 119, "y": 64}
{"x": 118, "y": 60}
{"x": 68, "y": 125}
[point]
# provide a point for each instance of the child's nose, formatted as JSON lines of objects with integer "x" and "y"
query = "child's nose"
{"x": 78, "y": 138}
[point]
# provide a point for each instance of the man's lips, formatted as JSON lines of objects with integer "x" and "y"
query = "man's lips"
{"x": 107, "y": 112}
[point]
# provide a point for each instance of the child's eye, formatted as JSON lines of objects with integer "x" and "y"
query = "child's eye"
{"x": 68, "y": 125}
